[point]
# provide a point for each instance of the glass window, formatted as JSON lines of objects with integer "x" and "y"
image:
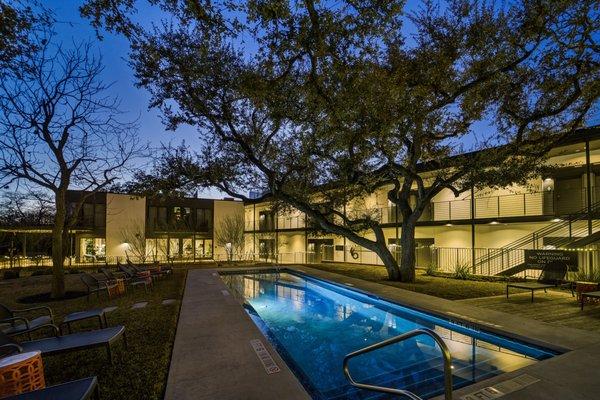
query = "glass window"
{"x": 100, "y": 215}
{"x": 203, "y": 219}
{"x": 151, "y": 217}
{"x": 188, "y": 248}
{"x": 92, "y": 249}
{"x": 88, "y": 214}
{"x": 173, "y": 247}
{"x": 162, "y": 217}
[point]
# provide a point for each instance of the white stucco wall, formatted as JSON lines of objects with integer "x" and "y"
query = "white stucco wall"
{"x": 125, "y": 215}
{"x": 221, "y": 210}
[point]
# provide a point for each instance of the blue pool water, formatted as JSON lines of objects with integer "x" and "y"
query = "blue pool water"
{"x": 313, "y": 324}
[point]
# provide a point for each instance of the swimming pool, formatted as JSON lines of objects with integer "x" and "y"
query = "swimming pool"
{"x": 313, "y": 324}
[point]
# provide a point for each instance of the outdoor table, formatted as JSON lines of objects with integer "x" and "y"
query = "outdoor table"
{"x": 82, "y": 315}
{"x": 20, "y": 373}
{"x": 590, "y": 296}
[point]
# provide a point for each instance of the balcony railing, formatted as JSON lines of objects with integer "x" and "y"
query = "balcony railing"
{"x": 503, "y": 206}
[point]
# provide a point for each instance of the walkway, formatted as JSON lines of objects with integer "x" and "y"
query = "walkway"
{"x": 213, "y": 355}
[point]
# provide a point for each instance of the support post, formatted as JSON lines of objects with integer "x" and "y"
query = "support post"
{"x": 473, "y": 228}
{"x": 589, "y": 185}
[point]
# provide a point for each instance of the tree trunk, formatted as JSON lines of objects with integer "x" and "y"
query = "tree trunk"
{"x": 390, "y": 263}
{"x": 407, "y": 258}
{"x": 58, "y": 246}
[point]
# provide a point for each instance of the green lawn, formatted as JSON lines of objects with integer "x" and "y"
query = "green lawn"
{"x": 445, "y": 287}
{"x": 138, "y": 372}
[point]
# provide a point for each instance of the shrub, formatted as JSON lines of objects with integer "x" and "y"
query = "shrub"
{"x": 12, "y": 273}
{"x": 431, "y": 269}
{"x": 462, "y": 271}
{"x": 40, "y": 272}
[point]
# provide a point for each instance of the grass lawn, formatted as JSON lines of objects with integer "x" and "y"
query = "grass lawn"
{"x": 447, "y": 288}
{"x": 138, "y": 372}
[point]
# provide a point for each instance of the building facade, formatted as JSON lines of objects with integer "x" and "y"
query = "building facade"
{"x": 483, "y": 228}
{"x": 112, "y": 225}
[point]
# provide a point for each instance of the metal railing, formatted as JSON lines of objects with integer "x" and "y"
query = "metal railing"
{"x": 416, "y": 332}
{"x": 510, "y": 205}
{"x": 561, "y": 234}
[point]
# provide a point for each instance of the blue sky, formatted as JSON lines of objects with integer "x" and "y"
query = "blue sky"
{"x": 114, "y": 50}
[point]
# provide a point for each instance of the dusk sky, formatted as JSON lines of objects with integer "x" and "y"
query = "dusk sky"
{"x": 114, "y": 50}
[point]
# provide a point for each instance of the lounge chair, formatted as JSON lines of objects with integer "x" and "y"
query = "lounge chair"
{"x": 132, "y": 281}
{"x": 81, "y": 389}
{"x": 14, "y": 322}
{"x": 66, "y": 343}
{"x": 94, "y": 285}
{"x": 552, "y": 275}
{"x": 156, "y": 271}
{"x": 133, "y": 275}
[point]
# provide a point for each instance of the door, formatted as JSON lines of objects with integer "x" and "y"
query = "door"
{"x": 570, "y": 196}
{"x": 319, "y": 250}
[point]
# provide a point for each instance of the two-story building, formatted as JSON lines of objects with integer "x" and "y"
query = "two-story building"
{"x": 483, "y": 228}
{"x": 122, "y": 225}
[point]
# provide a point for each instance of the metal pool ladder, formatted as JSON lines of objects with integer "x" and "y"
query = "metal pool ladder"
{"x": 416, "y": 332}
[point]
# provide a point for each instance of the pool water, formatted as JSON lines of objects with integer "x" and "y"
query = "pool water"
{"x": 313, "y": 324}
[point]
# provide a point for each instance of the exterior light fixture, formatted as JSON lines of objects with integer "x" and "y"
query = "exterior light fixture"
{"x": 556, "y": 220}
{"x": 494, "y": 223}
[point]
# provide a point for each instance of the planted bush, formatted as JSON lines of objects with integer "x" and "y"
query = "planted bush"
{"x": 431, "y": 269}
{"x": 462, "y": 271}
{"x": 12, "y": 273}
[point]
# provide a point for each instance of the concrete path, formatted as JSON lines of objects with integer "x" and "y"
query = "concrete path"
{"x": 214, "y": 353}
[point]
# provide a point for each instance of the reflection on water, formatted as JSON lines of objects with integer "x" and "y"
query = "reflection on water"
{"x": 314, "y": 325}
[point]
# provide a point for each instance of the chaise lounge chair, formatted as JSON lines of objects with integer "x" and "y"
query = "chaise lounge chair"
{"x": 156, "y": 271}
{"x": 94, "y": 285}
{"x": 552, "y": 275}
{"x": 67, "y": 343}
{"x": 81, "y": 389}
{"x": 13, "y": 322}
{"x": 133, "y": 275}
{"x": 132, "y": 281}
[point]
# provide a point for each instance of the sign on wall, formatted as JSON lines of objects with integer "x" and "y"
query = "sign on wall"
{"x": 537, "y": 259}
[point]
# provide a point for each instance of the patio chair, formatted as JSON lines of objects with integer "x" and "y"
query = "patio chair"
{"x": 14, "y": 322}
{"x": 81, "y": 389}
{"x": 144, "y": 276}
{"x": 94, "y": 285}
{"x": 552, "y": 275}
{"x": 156, "y": 271}
{"x": 132, "y": 281}
{"x": 66, "y": 343}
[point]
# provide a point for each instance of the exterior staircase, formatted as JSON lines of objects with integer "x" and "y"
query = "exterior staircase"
{"x": 571, "y": 232}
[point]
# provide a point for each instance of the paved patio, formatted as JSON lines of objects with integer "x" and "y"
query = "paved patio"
{"x": 556, "y": 307}
{"x": 211, "y": 321}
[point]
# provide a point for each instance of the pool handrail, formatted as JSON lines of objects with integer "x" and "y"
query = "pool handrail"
{"x": 416, "y": 332}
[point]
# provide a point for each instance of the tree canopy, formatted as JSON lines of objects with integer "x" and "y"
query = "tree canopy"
{"x": 320, "y": 103}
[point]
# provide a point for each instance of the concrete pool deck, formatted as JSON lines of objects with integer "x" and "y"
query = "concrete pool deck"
{"x": 212, "y": 357}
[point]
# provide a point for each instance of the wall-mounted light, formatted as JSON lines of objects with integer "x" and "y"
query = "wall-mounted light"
{"x": 448, "y": 224}
{"x": 494, "y": 223}
{"x": 556, "y": 220}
